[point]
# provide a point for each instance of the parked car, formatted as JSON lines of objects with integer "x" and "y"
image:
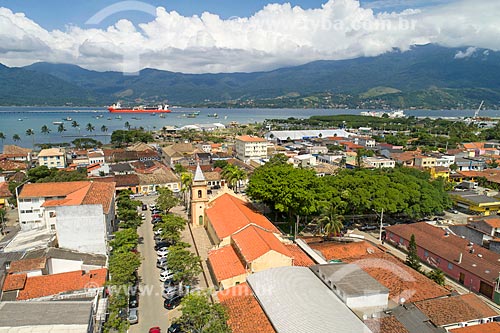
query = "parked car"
{"x": 161, "y": 243}
{"x": 162, "y": 252}
{"x": 143, "y": 217}
{"x": 454, "y": 211}
{"x": 156, "y": 211}
{"x": 175, "y": 328}
{"x": 133, "y": 301}
{"x": 438, "y": 219}
{"x": 144, "y": 207}
{"x": 152, "y": 193}
{"x": 171, "y": 303}
{"x": 161, "y": 262}
{"x": 158, "y": 231}
{"x": 165, "y": 275}
{"x": 170, "y": 292}
{"x": 155, "y": 216}
{"x": 155, "y": 329}
{"x": 133, "y": 316}
{"x": 152, "y": 206}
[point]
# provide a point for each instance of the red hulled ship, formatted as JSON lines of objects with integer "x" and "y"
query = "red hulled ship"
{"x": 117, "y": 108}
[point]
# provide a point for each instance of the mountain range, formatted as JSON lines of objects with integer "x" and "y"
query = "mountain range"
{"x": 471, "y": 76}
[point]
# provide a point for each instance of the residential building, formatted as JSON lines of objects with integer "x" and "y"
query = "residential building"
{"x": 472, "y": 266}
{"x": 157, "y": 176}
{"x": 304, "y": 161}
{"x": 316, "y": 150}
{"x": 48, "y": 316}
{"x": 445, "y": 160}
{"x": 425, "y": 161}
{"x": 81, "y": 214}
{"x": 250, "y": 148}
{"x": 52, "y": 158}
{"x": 477, "y": 203}
{"x": 379, "y": 162}
{"x": 96, "y": 156}
{"x": 4, "y": 194}
{"x": 179, "y": 153}
{"x": 16, "y": 153}
{"x": 470, "y": 164}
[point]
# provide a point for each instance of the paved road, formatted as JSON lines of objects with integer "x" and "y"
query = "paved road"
{"x": 151, "y": 311}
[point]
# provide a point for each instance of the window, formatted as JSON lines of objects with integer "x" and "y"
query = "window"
{"x": 426, "y": 254}
{"x": 52, "y": 214}
{"x": 401, "y": 241}
{"x": 52, "y": 227}
{"x": 450, "y": 265}
{"x": 199, "y": 194}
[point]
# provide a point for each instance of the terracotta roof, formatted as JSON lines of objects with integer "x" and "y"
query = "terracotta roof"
{"x": 300, "y": 258}
{"x": 4, "y": 190}
{"x": 14, "y": 282}
{"x": 474, "y": 145}
{"x": 449, "y": 247}
{"x": 228, "y": 214}
{"x": 51, "y": 152}
{"x": 12, "y": 165}
{"x": 225, "y": 263}
{"x": 493, "y": 327}
{"x": 158, "y": 176}
{"x": 95, "y": 154}
{"x": 492, "y": 221}
{"x": 400, "y": 279}
{"x": 385, "y": 325}
{"x": 253, "y": 242}
{"x": 36, "y": 190}
{"x": 100, "y": 193}
{"x": 16, "y": 150}
{"x": 212, "y": 175}
{"x": 249, "y": 138}
{"x": 244, "y": 312}
{"x": 26, "y": 265}
{"x": 47, "y": 285}
{"x": 335, "y": 250}
{"x": 455, "y": 309}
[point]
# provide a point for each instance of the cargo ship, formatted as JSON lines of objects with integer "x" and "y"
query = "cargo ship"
{"x": 117, "y": 108}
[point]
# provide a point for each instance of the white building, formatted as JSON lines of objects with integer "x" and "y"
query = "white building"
{"x": 316, "y": 150}
{"x": 250, "y": 148}
{"x": 304, "y": 161}
{"x": 96, "y": 156}
{"x": 445, "y": 160}
{"x": 52, "y": 158}
{"x": 306, "y": 134}
{"x": 79, "y": 213}
{"x": 379, "y": 162}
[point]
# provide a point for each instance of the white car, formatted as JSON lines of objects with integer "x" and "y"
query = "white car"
{"x": 162, "y": 252}
{"x": 158, "y": 232}
{"x": 165, "y": 275}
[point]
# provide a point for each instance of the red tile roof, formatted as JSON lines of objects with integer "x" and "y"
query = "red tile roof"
{"x": 4, "y": 190}
{"x": 492, "y": 221}
{"x": 400, "y": 279}
{"x": 47, "y": 285}
{"x": 16, "y": 150}
{"x": 455, "y": 309}
{"x": 14, "y": 282}
{"x": 12, "y": 165}
{"x": 26, "y": 265}
{"x": 253, "y": 242}
{"x": 385, "y": 325}
{"x": 225, "y": 263}
{"x": 493, "y": 327}
{"x": 449, "y": 247}
{"x": 335, "y": 250}
{"x": 36, "y": 190}
{"x": 249, "y": 138}
{"x": 244, "y": 312}
{"x": 228, "y": 214}
{"x": 300, "y": 258}
{"x": 100, "y": 193}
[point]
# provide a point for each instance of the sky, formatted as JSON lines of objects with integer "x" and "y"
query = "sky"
{"x": 200, "y": 36}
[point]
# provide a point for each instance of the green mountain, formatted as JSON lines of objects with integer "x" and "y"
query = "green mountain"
{"x": 414, "y": 76}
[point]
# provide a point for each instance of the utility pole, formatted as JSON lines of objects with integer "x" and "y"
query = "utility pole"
{"x": 381, "y": 219}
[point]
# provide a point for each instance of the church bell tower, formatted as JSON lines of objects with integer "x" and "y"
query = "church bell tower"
{"x": 199, "y": 198}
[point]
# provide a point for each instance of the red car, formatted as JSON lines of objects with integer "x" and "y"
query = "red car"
{"x": 155, "y": 329}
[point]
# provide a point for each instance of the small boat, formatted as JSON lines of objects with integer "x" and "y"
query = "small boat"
{"x": 192, "y": 115}
{"x": 215, "y": 115}
{"x": 162, "y": 115}
{"x": 118, "y": 117}
{"x": 109, "y": 118}
{"x": 67, "y": 119}
{"x": 20, "y": 119}
{"x": 57, "y": 122}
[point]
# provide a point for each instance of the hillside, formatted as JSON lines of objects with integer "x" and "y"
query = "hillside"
{"x": 415, "y": 76}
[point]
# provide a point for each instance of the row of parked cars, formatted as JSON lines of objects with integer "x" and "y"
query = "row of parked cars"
{"x": 172, "y": 292}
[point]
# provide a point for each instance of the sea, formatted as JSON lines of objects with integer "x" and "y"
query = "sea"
{"x": 17, "y": 120}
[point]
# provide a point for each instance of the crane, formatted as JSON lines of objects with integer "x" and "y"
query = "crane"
{"x": 476, "y": 114}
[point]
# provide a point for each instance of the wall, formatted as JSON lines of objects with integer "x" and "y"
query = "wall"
{"x": 375, "y": 302}
{"x": 32, "y": 220}
{"x": 231, "y": 282}
{"x": 62, "y": 265}
{"x": 82, "y": 228}
{"x": 269, "y": 260}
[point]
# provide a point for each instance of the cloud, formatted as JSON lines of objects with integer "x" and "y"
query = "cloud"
{"x": 469, "y": 52}
{"x": 276, "y": 36}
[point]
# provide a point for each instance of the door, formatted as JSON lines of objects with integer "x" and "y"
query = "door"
{"x": 461, "y": 279}
{"x": 486, "y": 289}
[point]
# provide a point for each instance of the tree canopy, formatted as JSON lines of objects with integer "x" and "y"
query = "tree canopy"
{"x": 42, "y": 174}
{"x": 166, "y": 200}
{"x": 184, "y": 263}
{"x": 199, "y": 315}
{"x": 120, "y": 137}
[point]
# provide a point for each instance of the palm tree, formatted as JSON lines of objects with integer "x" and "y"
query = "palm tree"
{"x": 45, "y": 130}
{"x": 16, "y": 138}
{"x": 2, "y": 136}
{"x": 104, "y": 129}
{"x": 127, "y": 125}
{"x": 30, "y": 132}
{"x": 75, "y": 124}
{"x": 61, "y": 128}
{"x": 329, "y": 221}
{"x": 90, "y": 127}
{"x": 233, "y": 175}
{"x": 186, "y": 181}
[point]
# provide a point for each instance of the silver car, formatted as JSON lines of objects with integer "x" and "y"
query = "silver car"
{"x": 133, "y": 316}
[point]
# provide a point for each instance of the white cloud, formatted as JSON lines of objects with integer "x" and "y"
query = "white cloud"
{"x": 469, "y": 52}
{"x": 278, "y": 35}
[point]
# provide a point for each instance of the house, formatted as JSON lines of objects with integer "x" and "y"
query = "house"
{"x": 81, "y": 214}
{"x": 316, "y": 150}
{"x": 304, "y": 161}
{"x": 473, "y": 202}
{"x": 30, "y": 267}
{"x": 20, "y": 287}
{"x": 52, "y": 158}
{"x": 377, "y": 162}
{"x": 159, "y": 176}
{"x": 75, "y": 316}
{"x": 491, "y": 327}
{"x": 179, "y": 153}
{"x": 470, "y": 164}
{"x": 4, "y": 194}
{"x": 121, "y": 168}
{"x": 96, "y": 156}
{"x": 10, "y": 166}
{"x": 472, "y": 266}
{"x": 425, "y": 161}
{"x": 250, "y": 148}
{"x": 244, "y": 311}
{"x": 440, "y": 172}
{"x": 16, "y": 153}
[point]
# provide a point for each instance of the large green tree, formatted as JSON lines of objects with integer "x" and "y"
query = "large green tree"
{"x": 166, "y": 199}
{"x": 184, "y": 263}
{"x": 171, "y": 226}
{"x": 122, "y": 266}
{"x": 199, "y": 315}
{"x": 125, "y": 240}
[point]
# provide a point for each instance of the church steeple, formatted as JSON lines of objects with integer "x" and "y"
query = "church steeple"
{"x": 199, "y": 198}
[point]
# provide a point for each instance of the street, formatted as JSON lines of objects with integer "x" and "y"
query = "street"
{"x": 151, "y": 310}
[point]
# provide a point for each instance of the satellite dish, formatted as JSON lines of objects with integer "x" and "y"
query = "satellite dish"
{"x": 402, "y": 300}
